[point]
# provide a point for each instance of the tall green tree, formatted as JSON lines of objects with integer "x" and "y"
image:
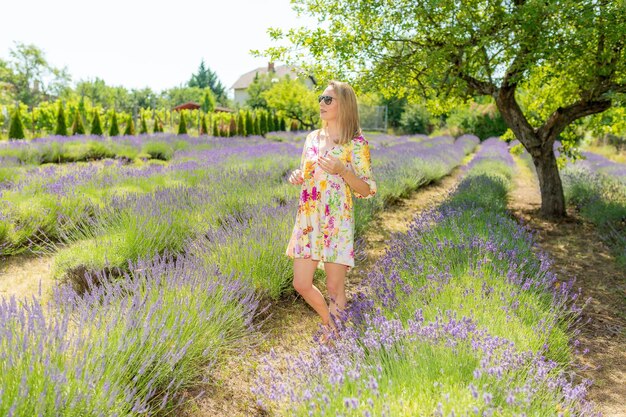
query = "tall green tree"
{"x": 31, "y": 77}
{"x": 96, "y": 124}
{"x": 241, "y": 129}
{"x": 182, "y": 124}
{"x": 129, "y": 130}
{"x": 293, "y": 99}
{"x": 143, "y": 129}
{"x": 114, "y": 129}
{"x": 208, "y": 102}
{"x": 61, "y": 127}
{"x": 78, "y": 128}
{"x": 16, "y": 128}
{"x": 206, "y": 78}
{"x": 255, "y": 90}
{"x": 249, "y": 125}
{"x": 448, "y": 50}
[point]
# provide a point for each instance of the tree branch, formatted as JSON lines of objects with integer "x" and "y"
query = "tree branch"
{"x": 563, "y": 116}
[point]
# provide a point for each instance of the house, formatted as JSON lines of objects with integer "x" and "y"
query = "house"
{"x": 241, "y": 85}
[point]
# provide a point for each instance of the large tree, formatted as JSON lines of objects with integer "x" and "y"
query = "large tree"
{"x": 206, "y": 78}
{"x": 450, "y": 49}
{"x": 30, "y": 76}
{"x": 291, "y": 98}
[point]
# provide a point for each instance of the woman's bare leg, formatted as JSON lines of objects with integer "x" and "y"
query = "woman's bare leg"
{"x": 336, "y": 286}
{"x": 303, "y": 271}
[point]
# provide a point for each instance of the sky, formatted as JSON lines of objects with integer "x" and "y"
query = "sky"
{"x": 140, "y": 43}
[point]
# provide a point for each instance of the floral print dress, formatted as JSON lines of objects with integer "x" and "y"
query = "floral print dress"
{"x": 324, "y": 228}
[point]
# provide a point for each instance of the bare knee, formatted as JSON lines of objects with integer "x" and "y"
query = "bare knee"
{"x": 333, "y": 288}
{"x": 302, "y": 286}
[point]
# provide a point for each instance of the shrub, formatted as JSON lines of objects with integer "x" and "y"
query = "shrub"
{"x": 158, "y": 150}
{"x": 77, "y": 126}
{"x": 130, "y": 126}
{"x": 144, "y": 126}
{"x": 114, "y": 130}
{"x": 416, "y": 119}
{"x": 16, "y": 128}
{"x": 241, "y": 129}
{"x": 182, "y": 125}
{"x": 61, "y": 127}
{"x": 203, "y": 126}
{"x": 249, "y": 124}
{"x": 96, "y": 125}
{"x": 232, "y": 128}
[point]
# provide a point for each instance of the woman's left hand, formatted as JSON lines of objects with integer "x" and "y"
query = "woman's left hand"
{"x": 331, "y": 165}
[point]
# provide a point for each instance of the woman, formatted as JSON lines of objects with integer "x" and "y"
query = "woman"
{"x": 335, "y": 162}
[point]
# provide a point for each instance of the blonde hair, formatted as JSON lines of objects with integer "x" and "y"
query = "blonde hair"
{"x": 348, "y": 112}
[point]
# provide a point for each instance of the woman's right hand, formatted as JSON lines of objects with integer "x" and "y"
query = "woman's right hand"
{"x": 296, "y": 177}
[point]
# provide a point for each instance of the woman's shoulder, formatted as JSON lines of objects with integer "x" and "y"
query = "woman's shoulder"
{"x": 359, "y": 139}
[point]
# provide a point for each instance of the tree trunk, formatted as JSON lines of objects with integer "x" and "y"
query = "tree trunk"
{"x": 552, "y": 198}
{"x": 540, "y": 148}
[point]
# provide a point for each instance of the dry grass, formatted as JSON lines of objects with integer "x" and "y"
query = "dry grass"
{"x": 23, "y": 275}
{"x": 577, "y": 251}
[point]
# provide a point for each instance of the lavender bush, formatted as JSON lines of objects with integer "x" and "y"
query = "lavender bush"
{"x": 461, "y": 317}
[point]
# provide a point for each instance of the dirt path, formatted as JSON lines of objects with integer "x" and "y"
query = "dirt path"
{"x": 577, "y": 251}
{"x": 293, "y": 323}
{"x": 23, "y": 275}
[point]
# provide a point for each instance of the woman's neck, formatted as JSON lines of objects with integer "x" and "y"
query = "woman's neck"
{"x": 332, "y": 132}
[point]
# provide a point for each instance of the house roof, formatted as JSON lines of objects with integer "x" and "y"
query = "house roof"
{"x": 187, "y": 106}
{"x": 280, "y": 70}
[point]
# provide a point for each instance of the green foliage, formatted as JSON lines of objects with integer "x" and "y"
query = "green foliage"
{"x": 182, "y": 124}
{"x": 270, "y": 123}
{"x": 249, "y": 125}
{"x": 293, "y": 99}
{"x": 78, "y": 128}
{"x": 416, "y": 119}
{"x": 158, "y": 150}
{"x": 259, "y": 85}
{"x": 232, "y": 126}
{"x": 205, "y": 78}
{"x": 282, "y": 123}
{"x": 16, "y": 128}
{"x": 129, "y": 130}
{"x": 114, "y": 129}
{"x": 263, "y": 123}
{"x": 61, "y": 127}
{"x": 241, "y": 130}
{"x": 143, "y": 125}
{"x": 203, "y": 125}
{"x": 208, "y": 102}
{"x": 216, "y": 130}
{"x": 96, "y": 124}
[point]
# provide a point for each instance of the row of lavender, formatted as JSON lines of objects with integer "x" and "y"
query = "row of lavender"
{"x": 109, "y": 214}
{"x": 462, "y": 317}
{"x": 596, "y": 187}
{"x": 129, "y": 346}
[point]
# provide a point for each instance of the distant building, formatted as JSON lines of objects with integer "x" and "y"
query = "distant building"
{"x": 241, "y": 85}
{"x": 194, "y": 106}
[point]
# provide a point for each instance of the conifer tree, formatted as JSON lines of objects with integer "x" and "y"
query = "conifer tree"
{"x": 16, "y": 128}
{"x": 240, "y": 125}
{"x": 232, "y": 128}
{"x": 114, "y": 129}
{"x": 143, "y": 129}
{"x": 270, "y": 123}
{"x": 96, "y": 125}
{"x": 61, "y": 127}
{"x": 130, "y": 126}
{"x": 283, "y": 124}
{"x": 249, "y": 124}
{"x": 263, "y": 123}
{"x": 216, "y": 131}
{"x": 257, "y": 124}
{"x": 182, "y": 125}
{"x": 203, "y": 126}
{"x": 78, "y": 128}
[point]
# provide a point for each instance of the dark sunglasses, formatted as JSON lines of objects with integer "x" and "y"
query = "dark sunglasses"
{"x": 327, "y": 99}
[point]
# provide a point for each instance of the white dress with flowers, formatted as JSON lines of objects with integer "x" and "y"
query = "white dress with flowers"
{"x": 324, "y": 228}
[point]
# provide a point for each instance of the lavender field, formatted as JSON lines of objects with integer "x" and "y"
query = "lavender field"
{"x": 161, "y": 259}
